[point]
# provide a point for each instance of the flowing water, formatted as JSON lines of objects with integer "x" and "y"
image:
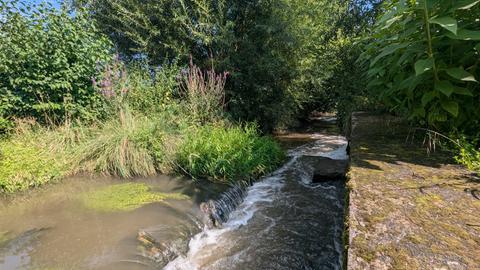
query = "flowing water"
{"x": 287, "y": 220}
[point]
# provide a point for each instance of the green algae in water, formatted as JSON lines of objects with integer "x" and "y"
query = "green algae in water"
{"x": 125, "y": 197}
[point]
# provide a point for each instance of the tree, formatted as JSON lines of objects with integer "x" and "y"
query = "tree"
{"x": 48, "y": 58}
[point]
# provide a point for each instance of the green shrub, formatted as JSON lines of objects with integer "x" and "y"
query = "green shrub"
{"x": 228, "y": 154}
{"x": 423, "y": 62}
{"x": 469, "y": 155}
{"x": 26, "y": 161}
{"x": 48, "y": 58}
{"x": 151, "y": 90}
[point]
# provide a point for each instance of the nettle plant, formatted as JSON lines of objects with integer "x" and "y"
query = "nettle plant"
{"x": 423, "y": 59}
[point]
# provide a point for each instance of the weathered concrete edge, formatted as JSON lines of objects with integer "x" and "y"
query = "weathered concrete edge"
{"x": 347, "y": 237}
{"x": 424, "y": 221}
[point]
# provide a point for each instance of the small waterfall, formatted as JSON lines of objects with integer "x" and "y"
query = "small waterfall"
{"x": 218, "y": 211}
{"x": 227, "y": 203}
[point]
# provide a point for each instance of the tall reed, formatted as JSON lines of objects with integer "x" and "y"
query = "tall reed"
{"x": 204, "y": 93}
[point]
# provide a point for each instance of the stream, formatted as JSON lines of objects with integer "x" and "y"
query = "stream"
{"x": 290, "y": 219}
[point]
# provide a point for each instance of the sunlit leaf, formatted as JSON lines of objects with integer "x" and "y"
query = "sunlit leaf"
{"x": 421, "y": 66}
{"x": 465, "y": 4}
{"x": 391, "y": 21}
{"x": 460, "y": 74}
{"x": 421, "y": 4}
{"x": 445, "y": 87}
{"x": 448, "y": 23}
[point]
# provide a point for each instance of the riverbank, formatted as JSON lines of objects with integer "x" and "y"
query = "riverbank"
{"x": 143, "y": 147}
{"x": 408, "y": 209}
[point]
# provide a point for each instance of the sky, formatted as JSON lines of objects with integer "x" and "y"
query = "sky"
{"x": 55, "y": 3}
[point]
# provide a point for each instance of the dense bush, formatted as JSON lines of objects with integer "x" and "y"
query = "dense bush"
{"x": 48, "y": 58}
{"x": 423, "y": 62}
{"x": 27, "y": 161}
{"x": 152, "y": 90}
{"x": 228, "y": 154}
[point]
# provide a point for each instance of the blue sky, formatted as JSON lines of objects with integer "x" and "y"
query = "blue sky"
{"x": 55, "y": 3}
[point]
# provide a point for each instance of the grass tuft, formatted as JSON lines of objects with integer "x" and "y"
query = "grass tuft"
{"x": 228, "y": 154}
{"x": 119, "y": 148}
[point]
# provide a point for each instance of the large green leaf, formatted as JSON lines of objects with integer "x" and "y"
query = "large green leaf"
{"x": 450, "y": 106}
{"x": 447, "y": 22}
{"x": 374, "y": 71}
{"x": 387, "y": 16}
{"x": 388, "y": 50}
{"x": 465, "y": 34}
{"x": 460, "y": 74}
{"x": 421, "y": 66}
{"x": 419, "y": 111}
{"x": 427, "y": 97}
{"x": 465, "y": 4}
{"x": 462, "y": 91}
{"x": 410, "y": 83}
{"x": 477, "y": 47}
{"x": 445, "y": 87}
{"x": 391, "y": 21}
{"x": 373, "y": 83}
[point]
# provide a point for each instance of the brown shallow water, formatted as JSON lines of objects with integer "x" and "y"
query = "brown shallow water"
{"x": 50, "y": 228}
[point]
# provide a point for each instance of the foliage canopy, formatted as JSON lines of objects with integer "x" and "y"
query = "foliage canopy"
{"x": 47, "y": 61}
{"x": 423, "y": 61}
